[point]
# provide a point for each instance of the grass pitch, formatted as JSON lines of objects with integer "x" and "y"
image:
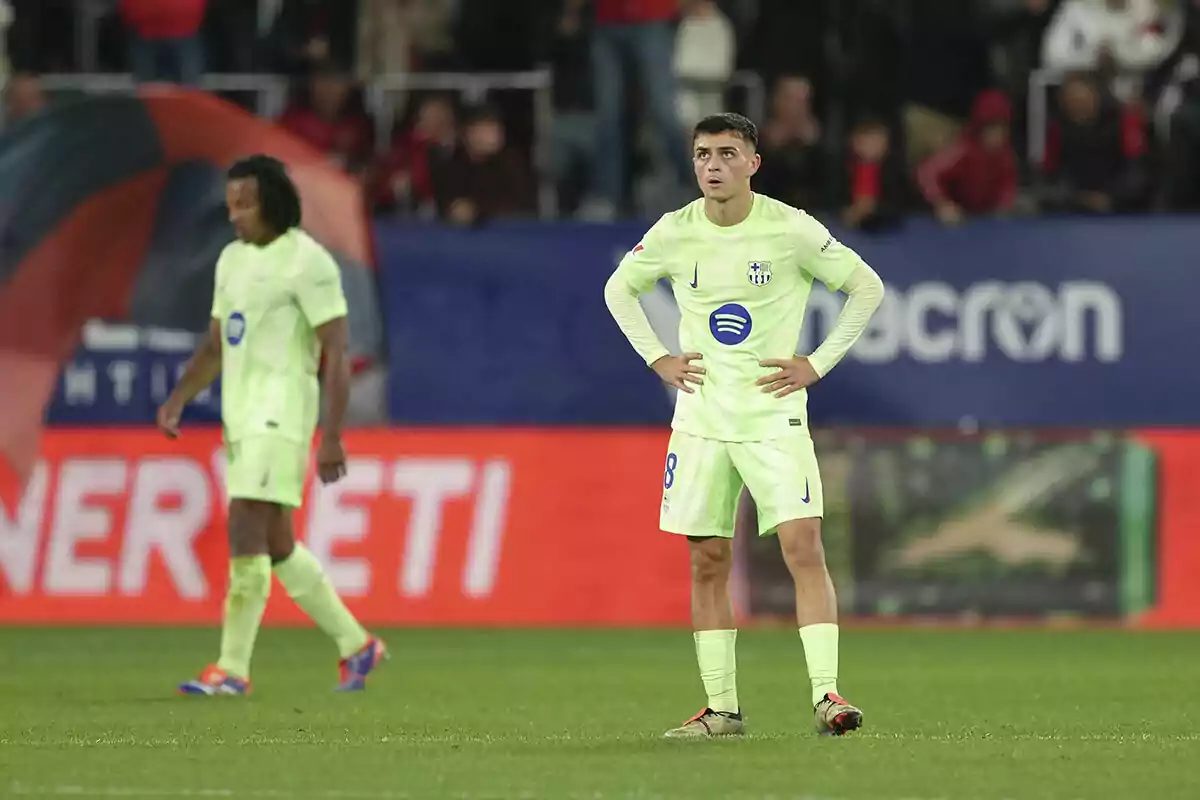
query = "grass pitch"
{"x": 574, "y": 714}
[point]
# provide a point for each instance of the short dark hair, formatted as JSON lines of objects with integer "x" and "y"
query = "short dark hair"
{"x": 278, "y": 198}
{"x": 728, "y": 123}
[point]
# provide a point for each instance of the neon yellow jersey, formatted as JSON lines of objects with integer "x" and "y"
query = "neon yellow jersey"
{"x": 741, "y": 292}
{"x": 269, "y": 302}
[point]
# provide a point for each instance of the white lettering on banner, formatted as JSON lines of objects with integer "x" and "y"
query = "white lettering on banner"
{"x": 169, "y": 503}
{"x": 122, "y": 375}
{"x": 935, "y": 323}
{"x": 170, "y": 531}
{"x": 430, "y": 483}
{"x": 79, "y": 384}
{"x": 1026, "y": 322}
{"x": 487, "y": 530}
{"x": 333, "y": 518}
{"x": 19, "y": 534}
{"x": 76, "y": 521}
{"x": 103, "y": 371}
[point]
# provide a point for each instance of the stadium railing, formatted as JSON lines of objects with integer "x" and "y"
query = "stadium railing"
{"x": 270, "y": 92}
{"x": 387, "y": 94}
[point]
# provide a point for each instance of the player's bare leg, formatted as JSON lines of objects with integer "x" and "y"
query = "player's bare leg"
{"x": 816, "y": 614}
{"x": 245, "y": 600}
{"x": 716, "y": 637}
{"x": 305, "y": 580}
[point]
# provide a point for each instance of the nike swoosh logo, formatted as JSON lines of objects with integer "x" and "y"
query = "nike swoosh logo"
{"x": 806, "y": 497}
{"x": 695, "y": 276}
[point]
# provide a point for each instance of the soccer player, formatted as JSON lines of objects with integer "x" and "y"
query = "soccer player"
{"x": 742, "y": 267}
{"x": 277, "y": 306}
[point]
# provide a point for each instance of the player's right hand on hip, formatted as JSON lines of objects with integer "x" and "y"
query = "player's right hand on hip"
{"x": 168, "y": 419}
{"x": 678, "y": 371}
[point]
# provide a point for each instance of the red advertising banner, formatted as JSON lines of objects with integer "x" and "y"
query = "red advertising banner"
{"x": 462, "y": 527}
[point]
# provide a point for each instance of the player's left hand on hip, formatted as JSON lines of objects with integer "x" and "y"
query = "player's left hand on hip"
{"x": 331, "y": 460}
{"x": 794, "y": 374}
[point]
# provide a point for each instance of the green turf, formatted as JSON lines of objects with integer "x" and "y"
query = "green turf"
{"x": 980, "y": 715}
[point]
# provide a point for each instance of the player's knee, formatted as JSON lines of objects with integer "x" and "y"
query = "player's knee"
{"x": 800, "y": 541}
{"x": 280, "y": 551}
{"x": 280, "y": 539}
{"x": 248, "y": 526}
{"x": 712, "y": 560}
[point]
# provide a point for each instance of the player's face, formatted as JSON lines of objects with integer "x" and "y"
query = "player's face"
{"x": 724, "y": 164}
{"x": 241, "y": 198}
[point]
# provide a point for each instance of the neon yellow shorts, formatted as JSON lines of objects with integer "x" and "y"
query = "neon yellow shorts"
{"x": 703, "y": 478}
{"x": 266, "y": 468}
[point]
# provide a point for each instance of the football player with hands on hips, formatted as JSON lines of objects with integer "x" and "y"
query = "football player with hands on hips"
{"x": 740, "y": 458}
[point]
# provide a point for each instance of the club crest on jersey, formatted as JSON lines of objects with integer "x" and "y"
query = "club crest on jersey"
{"x": 759, "y": 273}
{"x": 235, "y": 328}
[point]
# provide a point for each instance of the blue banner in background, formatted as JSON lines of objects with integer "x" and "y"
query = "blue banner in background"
{"x": 1049, "y": 322}
{"x": 120, "y": 374}
{"x": 1062, "y": 323}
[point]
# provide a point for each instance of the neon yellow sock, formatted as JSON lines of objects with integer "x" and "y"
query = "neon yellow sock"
{"x": 716, "y": 654}
{"x": 245, "y": 602}
{"x": 301, "y": 574}
{"x": 821, "y": 653}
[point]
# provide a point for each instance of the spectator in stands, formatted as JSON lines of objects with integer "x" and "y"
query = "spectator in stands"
{"x": 408, "y": 174}
{"x": 1132, "y": 33}
{"x": 572, "y": 145}
{"x": 485, "y": 180}
{"x": 793, "y": 166}
{"x": 164, "y": 39}
{"x": 309, "y": 33}
{"x": 1122, "y": 39}
{"x": 872, "y": 196}
{"x": 1093, "y": 152}
{"x": 705, "y": 55}
{"x": 330, "y": 121}
{"x": 638, "y": 34}
{"x": 23, "y": 98}
{"x": 977, "y": 174}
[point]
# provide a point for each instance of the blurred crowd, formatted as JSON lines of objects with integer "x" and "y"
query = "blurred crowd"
{"x": 875, "y": 110}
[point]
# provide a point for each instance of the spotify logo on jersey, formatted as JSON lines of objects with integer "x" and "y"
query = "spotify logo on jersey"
{"x": 730, "y": 324}
{"x": 235, "y": 328}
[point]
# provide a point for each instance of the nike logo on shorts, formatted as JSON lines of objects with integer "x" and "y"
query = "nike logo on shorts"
{"x": 807, "y": 496}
